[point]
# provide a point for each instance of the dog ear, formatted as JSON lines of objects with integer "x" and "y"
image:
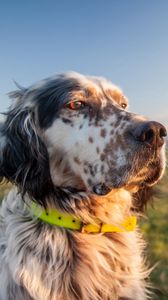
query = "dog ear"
{"x": 24, "y": 158}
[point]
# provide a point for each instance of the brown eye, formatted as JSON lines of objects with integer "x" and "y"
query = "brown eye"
{"x": 75, "y": 105}
{"x": 123, "y": 105}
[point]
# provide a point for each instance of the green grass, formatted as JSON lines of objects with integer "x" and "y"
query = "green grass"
{"x": 156, "y": 232}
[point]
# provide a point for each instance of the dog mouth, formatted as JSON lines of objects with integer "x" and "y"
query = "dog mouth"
{"x": 143, "y": 171}
{"x": 147, "y": 176}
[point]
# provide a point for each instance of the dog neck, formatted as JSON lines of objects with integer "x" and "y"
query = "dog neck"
{"x": 57, "y": 218}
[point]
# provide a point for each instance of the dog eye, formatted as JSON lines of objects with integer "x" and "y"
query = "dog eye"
{"x": 75, "y": 105}
{"x": 123, "y": 105}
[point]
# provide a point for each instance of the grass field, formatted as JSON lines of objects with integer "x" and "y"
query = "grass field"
{"x": 155, "y": 229}
{"x": 156, "y": 232}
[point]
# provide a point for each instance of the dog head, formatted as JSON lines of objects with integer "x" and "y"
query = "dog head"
{"x": 73, "y": 131}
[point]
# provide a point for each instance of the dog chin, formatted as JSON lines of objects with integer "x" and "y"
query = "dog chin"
{"x": 105, "y": 188}
{"x": 101, "y": 189}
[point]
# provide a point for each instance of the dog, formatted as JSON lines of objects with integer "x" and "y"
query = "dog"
{"x": 80, "y": 164}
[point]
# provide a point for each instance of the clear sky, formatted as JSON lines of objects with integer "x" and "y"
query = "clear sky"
{"x": 123, "y": 40}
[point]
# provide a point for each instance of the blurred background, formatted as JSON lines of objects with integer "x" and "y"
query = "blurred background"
{"x": 123, "y": 40}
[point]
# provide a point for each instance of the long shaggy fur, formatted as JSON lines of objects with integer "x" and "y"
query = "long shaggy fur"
{"x": 84, "y": 161}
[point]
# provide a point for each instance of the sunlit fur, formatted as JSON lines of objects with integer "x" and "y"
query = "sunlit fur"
{"x": 84, "y": 162}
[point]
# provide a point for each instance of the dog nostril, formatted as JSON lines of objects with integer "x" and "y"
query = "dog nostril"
{"x": 151, "y": 133}
{"x": 147, "y": 136}
{"x": 163, "y": 132}
{"x": 144, "y": 134}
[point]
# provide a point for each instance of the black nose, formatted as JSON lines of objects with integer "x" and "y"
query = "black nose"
{"x": 150, "y": 133}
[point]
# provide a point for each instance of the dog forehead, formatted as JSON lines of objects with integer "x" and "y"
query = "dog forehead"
{"x": 71, "y": 81}
{"x": 99, "y": 89}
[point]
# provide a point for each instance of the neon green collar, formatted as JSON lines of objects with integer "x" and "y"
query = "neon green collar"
{"x": 57, "y": 218}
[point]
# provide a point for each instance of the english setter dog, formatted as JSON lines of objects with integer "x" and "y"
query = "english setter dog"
{"x": 81, "y": 165}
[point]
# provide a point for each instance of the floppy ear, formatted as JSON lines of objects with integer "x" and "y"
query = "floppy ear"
{"x": 24, "y": 157}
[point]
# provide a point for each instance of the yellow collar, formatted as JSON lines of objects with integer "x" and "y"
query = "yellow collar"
{"x": 57, "y": 218}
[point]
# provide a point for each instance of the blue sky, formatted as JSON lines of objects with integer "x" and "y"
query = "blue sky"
{"x": 123, "y": 40}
